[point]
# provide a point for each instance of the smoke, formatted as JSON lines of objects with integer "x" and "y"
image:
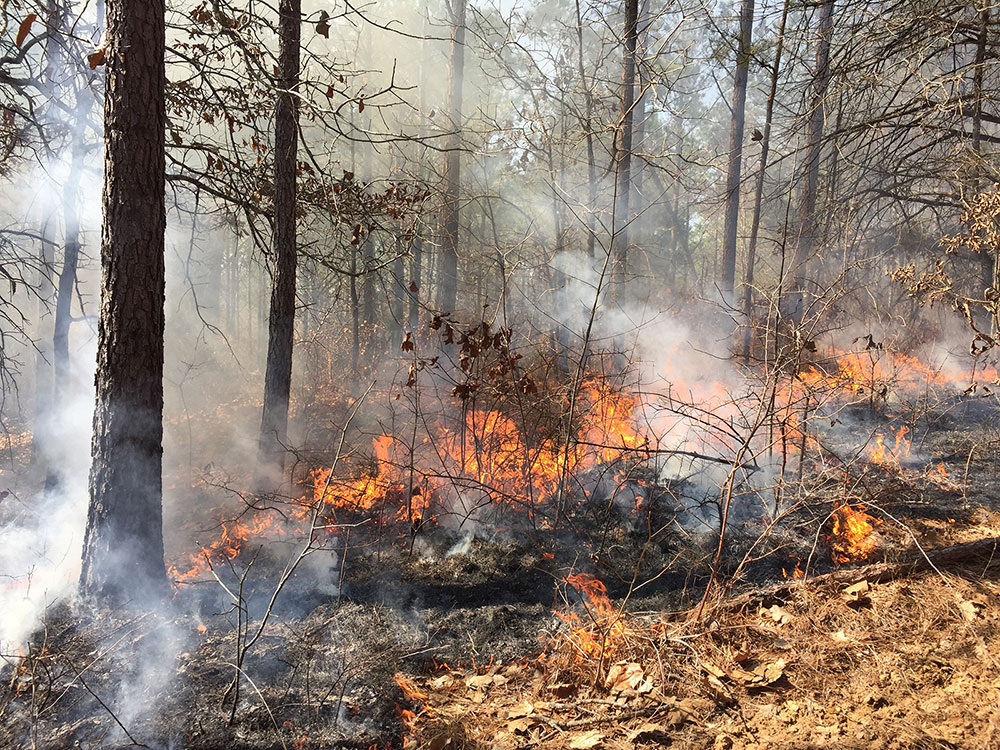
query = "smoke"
{"x": 42, "y": 536}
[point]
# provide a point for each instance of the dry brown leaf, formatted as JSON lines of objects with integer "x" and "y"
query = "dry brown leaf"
{"x": 477, "y": 681}
{"x": 857, "y": 593}
{"x": 522, "y": 709}
{"x": 625, "y": 676}
{"x": 650, "y": 733}
{"x": 24, "y": 28}
{"x": 968, "y": 609}
{"x": 520, "y": 726}
{"x": 564, "y": 690}
{"x": 96, "y": 59}
{"x": 776, "y": 613}
{"x": 712, "y": 669}
{"x": 584, "y": 740}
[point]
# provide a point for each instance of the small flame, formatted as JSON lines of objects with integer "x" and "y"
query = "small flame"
{"x": 409, "y": 718}
{"x": 890, "y": 458}
{"x": 606, "y": 629}
{"x": 797, "y": 572}
{"x": 852, "y": 534}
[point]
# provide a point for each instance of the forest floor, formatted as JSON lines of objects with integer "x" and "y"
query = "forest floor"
{"x": 490, "y": 643}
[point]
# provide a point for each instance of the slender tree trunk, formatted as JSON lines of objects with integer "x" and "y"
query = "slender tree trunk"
{"x": 64, "y": 294}
{"x": 623, "y": 187}
{"x": 588, "y": 130}
{"x": 765, "y": 145}
{"x": 281, "y": 323}
{"x": 639, "y": 202}
{"x": 805, "y": 247}
{"x": 398, "y": 292}
{"x": 736, "y": 126}
{"x": 43, "y": 368}
{"x": 416, "y": 262}
{"x": 123, "y": 545}
{"x": 987, "y": 259}
{"x": 448, "y": 297}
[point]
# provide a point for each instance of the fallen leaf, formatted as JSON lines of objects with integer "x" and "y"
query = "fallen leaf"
{"x": 24, "y": 28}
{"x": 479, "y": 681}
{"x": 857, "y": 594}
{"x": 650, "y": 733}
{"x": 968, "y": 609}
{"x": 564, "y": 689}
{"x": 776, "y": 613}
{"x": 624, "y": 676}
{"x": 712, "y": 669}
{"x": 840, "y": 636}
{"x": 522, "y": 709}
{"x": 520, "y": 726}
{"x": 585, "y": 740}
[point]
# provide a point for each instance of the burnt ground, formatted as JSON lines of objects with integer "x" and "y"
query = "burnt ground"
{"x": 472, "y": 627}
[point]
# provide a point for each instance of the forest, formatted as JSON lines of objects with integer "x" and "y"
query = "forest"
{"x": 499, "y": 374}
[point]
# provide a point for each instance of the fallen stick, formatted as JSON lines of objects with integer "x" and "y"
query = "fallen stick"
{"x": 988, "y": 548}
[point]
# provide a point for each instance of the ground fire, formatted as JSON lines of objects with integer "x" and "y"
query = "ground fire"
{"x": 478, "y": 374}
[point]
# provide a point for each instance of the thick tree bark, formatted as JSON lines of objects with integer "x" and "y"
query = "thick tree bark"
{"x": 123, "y": 546}
{"x": 728, "y": 281}
{"x": 281, "y": 322}
{"x": 805, "y": 247}
{"x": 623, "y": 172}
{"x": 448, "y": 290}
{"x": 758, "y": 196}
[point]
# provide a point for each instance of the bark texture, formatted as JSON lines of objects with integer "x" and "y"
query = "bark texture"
{"x": 281, "y": 323}
{"x": 123, "y": 546}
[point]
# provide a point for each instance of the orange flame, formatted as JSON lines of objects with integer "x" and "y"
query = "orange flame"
{"x": 604, "y": 633}
{"x": 852, "y": 534}
{"x": 889, "y": 458}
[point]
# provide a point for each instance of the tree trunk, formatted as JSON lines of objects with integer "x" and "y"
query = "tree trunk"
{"x": 588, "y": 103}
{"x": 281, "y": 322}
{"x": 623, "y": 187}
{"x": 728, "y": 281}
{"x": 987, "y": 259}
{"x": 123, "y": 545}
{"x": 448, "y": 290}
{"x": 64, "y": 293}
{"x": 765, "y": 146}
{"x": 805, "y": 247}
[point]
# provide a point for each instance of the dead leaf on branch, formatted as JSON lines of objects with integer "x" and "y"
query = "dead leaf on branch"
{"x": 24, "y": 28}
{"x": 323, "y": 25}
{"x": 96, "y": 59}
